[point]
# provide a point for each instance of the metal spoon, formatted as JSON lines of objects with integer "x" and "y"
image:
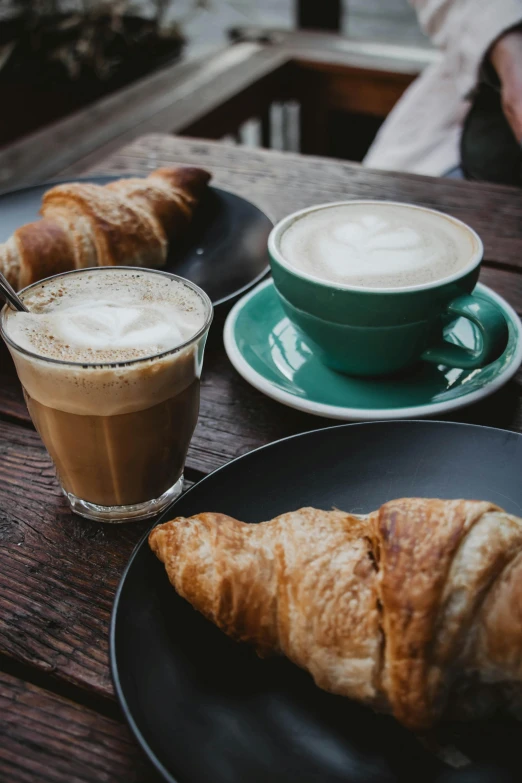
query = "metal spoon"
{"x": 8, "y": 292}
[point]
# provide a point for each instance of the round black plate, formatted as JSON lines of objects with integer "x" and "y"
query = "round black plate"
{"x": 205, "y": 708}
{"x": 225, "y": 251}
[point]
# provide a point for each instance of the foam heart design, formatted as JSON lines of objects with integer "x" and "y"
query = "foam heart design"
{"x": 375, "y": 244}
{"x": 108, "y": 325}
{"x": 107, "y": 318}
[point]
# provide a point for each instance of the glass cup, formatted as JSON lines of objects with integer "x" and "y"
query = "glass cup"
{"x": 118, "y": 432}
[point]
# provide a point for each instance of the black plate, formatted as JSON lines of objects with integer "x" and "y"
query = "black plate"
{"x": 206, "y": 709}
{"x": 225, "y": 251}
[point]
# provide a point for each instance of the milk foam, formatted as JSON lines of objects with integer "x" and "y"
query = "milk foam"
{"x": 112, "y": 317}
{"x": 377, "y": 245}
{"x": 97, "y": 319}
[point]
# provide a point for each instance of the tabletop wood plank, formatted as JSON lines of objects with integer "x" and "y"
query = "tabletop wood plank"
{"x": 53, "y": 740}
{"x": 283, "y": 182}
{"x": 58, "y": 573}
{"x": 12, "y": 405}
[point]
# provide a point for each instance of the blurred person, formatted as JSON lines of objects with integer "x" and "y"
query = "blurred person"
{"x": 463, "y": 114}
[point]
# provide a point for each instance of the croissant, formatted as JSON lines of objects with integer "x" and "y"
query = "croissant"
{"x": 127, "y": 222}
{"x": 414, "y": 609}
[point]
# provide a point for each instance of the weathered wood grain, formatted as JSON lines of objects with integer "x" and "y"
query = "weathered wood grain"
{"x": 58, "y": 573}
{"x": 12, "y": 405}
{"x": 283, "y": 182}
{"x": 505, "y": 282}
{"x": 48, "y": 739}
{"x": 306, "y": 46}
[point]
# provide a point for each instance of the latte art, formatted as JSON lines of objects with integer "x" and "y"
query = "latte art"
{"x": 376, "y": 245}
{"x": 129, "y": 316}
{"x": 108, "y": 326}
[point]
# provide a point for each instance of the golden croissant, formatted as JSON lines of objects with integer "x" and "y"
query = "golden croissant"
{"x": 411, "y": 609}
{"x": 127, "y": 222}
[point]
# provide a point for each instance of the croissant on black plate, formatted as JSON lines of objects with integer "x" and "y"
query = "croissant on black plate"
{"x": 128, "y": 222}
{"x": 412, "y": 609}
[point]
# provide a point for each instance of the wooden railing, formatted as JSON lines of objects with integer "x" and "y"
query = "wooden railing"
{"x": 312, "y": 92}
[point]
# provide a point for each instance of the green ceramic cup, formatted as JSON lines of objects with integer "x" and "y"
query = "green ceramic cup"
{"x": 379, "y": 331}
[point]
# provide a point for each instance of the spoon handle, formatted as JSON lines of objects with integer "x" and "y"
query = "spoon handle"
{"x": 8, "y": 292}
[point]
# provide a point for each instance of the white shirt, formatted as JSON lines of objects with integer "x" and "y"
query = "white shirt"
{"x": 422, "y": 132}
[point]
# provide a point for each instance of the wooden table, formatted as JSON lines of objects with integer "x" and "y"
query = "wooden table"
{"x": 58, "y": 573}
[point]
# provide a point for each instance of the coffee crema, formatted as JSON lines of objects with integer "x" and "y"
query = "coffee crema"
{"x": 111, "y": 386}
{"x": 377, "y": 245}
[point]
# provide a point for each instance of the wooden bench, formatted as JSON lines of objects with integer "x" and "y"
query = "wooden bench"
{"x": 323, "y": 74}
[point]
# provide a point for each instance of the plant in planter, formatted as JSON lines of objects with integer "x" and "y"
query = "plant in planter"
{"x": 55, "y": 58}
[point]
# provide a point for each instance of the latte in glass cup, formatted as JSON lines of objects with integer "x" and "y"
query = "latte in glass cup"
{"x": 110, "y": 360}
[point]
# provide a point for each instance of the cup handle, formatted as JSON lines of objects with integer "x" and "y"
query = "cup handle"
{"x": 493, "y": 328}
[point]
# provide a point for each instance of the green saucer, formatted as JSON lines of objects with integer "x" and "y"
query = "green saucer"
{"x": 269, "y": 352}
